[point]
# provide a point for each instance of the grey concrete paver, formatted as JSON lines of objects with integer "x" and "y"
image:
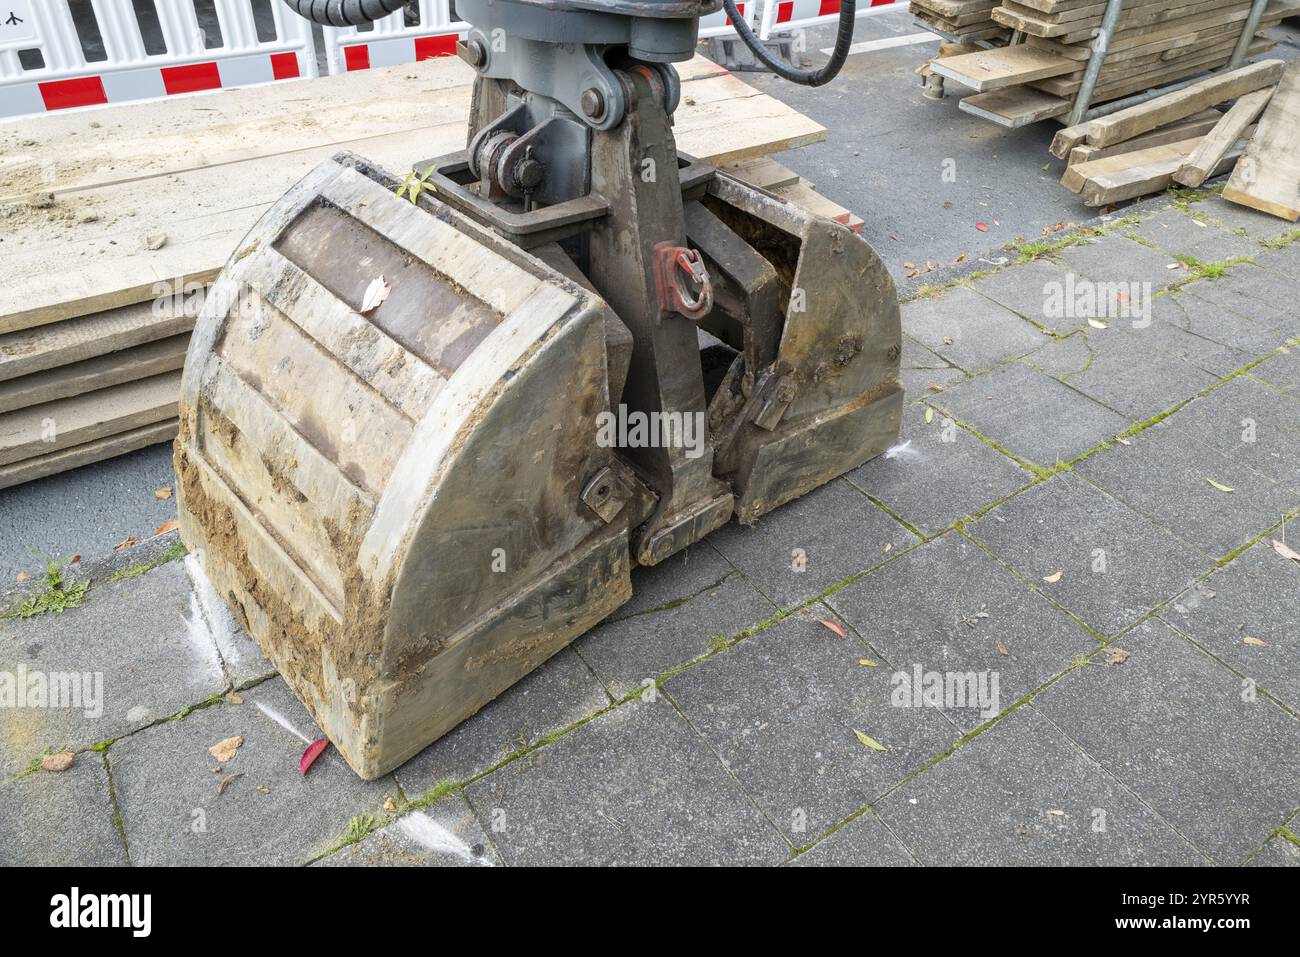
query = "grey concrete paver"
{"x": 1024, "y": 289}
{"x": 1249, "y": 423}
{"x": 1114, "y": 566}
{"x": 862, "y": 842}
{"x": 446, "y": 834}
{"x": 1280, "y": 851}
{"x": 633, "y": 786}
{"x": 1176, "y": 233}
{"x": 1116, "y": 258}
{"x": 1281, "y": 371}
{"x": 1221, "y": 765}
{"x": 689, "y": 572}
{"x": 969, "y": 330}
{"x": 1022, "y": 794}
{"x": 783, "y": 709}
{"x": 60, "y": 819}
{"x": 1267, "y": 296}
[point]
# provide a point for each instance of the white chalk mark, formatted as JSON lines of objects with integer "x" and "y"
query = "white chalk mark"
{"x": 432, "y": 836}
{"x": 902, "y": 451}
{"x": 281, "y": 720}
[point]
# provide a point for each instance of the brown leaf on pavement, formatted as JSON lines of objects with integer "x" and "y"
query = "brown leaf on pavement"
{"x": 833, "y": 626}
{"x": 225, "y": 749}
{"x": 226, "y": 782}
{"x": 162, "y": 494}
{"x": 1003, "y": 650}
{"x": 1116, "y": 656}
{"x": 1053, "y": 578}
{"x": 166, "y": 527}
{"x": 129, "y": 542}
{"x": 57, "y": 762}
{"x": 1285, "y": 550}
{"x": 1254, "y": 642}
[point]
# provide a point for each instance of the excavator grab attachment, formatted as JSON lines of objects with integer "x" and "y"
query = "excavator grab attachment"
{"x": 397, "y": 460}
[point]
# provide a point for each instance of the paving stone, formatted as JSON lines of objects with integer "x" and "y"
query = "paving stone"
{"x": 1282, "y": 371}
{"x": 1256, "y": 225}
{"x": 168, "y": 792}
{"x": 917, "y": 382}
{"x": 1280, "y": 851}
{"x": 971, "y": 605}
{"x": 1022, "y": 794}
{"x": 1249, "y": 423}
{"x": 1116, "y": 258}
{"x": 560, "y": 693}
{"x": 940, "y": 474}
{"x": 1253, "y": 596}
{"x": 1165, "y": 474}
{"x": 142, "y": 641}
{"x": 241, "y": 658}
{"x": 634, "y": 786}
{"x": 917, "y": 356}
{"x": 1263, "y": 295}
{"x": 1171, "y": 724}
{"x": 1031, "y": 414}
{"x": 781, "y": 709}
{"x": 812, "y": 543}
{"x": 1024, "y": 290}
{"x": 1115, "y": 565}
{"x": 689, "y": 572}
{"x": 1235, "y": 341}
{"x": 1176, "y": 233}
{"x": 62, "y": 819}
{"x": 447, "y": 834}
{"x": 862, "y": 842}
{"x": 634, "y": 650}
{"x": 1122, "y": 373}
{"x": 982, "y": 332}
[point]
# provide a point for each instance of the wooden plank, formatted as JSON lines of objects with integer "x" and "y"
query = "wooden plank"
{"x": 804, "y": 196}
{"x": 88, "y": 375}
{"x": 1131, "y": 175}
{"x": 1196, "y": 168}
{"x": 1187, "y": 129}
{"x": 1003, "y": 67}
{"x": 1268, "y": 176}
{"x": 1126, "y": 124}
{"x": 206, "y": 212}
{"x": 30, "y": 351}
{"x": 1015, "y": 106}
{"x": 762, "y": 172}
{"x": 55, "y": 426}
{"x": 88, "y": 453}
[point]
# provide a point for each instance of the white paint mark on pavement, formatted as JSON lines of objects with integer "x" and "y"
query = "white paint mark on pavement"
{"x": 431, "y": 835}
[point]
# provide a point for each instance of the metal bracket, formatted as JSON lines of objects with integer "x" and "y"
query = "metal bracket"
{"x": 682, "y": 281}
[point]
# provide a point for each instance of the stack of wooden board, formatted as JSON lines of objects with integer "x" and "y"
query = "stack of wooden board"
{"x": 113, "y": 220}
{"x": 1180, "y": 138}
{"x": 1157, "y": 42}
{"x": 959, "y": 20}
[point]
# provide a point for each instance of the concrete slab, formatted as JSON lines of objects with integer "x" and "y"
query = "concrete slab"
{"x": 1116, "y": 258}
{"x": 446, "y": 834}
{"x": 558, "y": 694}
{"x": 168, "y": 786}
{"x": 1031, "y": 414}
{"x": 688, "y": 573}
{"x": 1242, "y": 341}
{"x": 939, "y": 475}
{"x": 812, "y": 543}
{"x": 1242, "y": 220}
{"x": 1024, "y": 290}
{"x": 1252, "y": 597}
{"x": 968, "y": 330}
{"x": 634, "y": 786}
{"x": 1281, "y": 371}
{"x": 63, "y": 819}
{"x": 975, "y": 617}
{"x": 1280, "y": 851}
{"x": 1269, "y": 297}
{"x": 1114, "y": 565}
{"x": 1175, "y": 233}
{"x": 1174, "y": 726}
{"x": 1023, "y": 795}
{"x": 862, "y": 842}
{"x": 142, "y": 642}
{"x": 1250, "y": 423}
{"x": 626, "y": 653}
{"x": 1167, "y": 475}
{"x": 782, "y": 710}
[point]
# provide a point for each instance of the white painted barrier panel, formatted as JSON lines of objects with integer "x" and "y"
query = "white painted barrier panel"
{"x": 782, "y": 15}
{"x": 48, "y": 63}
{"x": 392, "y": 40}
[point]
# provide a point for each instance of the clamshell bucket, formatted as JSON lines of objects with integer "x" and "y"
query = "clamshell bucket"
{"x": 388, "y": 461}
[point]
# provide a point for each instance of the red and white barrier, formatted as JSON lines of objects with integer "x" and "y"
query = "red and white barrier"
{"x": 391, "y": 41}
{"x": 44, "y": 30}
{"x": 779, "y": 16}
{"x": 719, "y": 24}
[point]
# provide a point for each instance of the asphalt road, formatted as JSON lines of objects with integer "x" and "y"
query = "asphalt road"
{"x": 884, "y": 158}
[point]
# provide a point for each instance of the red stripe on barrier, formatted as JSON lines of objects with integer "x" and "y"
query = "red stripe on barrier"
{"x": 785, "y": 12}
{"x": 879, "y": 3}
{"x": 284, "y": 66}
{"x": 65, "y": 94}
{"x": 426, "y": 48}
{"x": 829, "y": 7}
{"x": 191, "y": 78}
{"x": 356, "y": 58}
{"x": 740, "y": 8}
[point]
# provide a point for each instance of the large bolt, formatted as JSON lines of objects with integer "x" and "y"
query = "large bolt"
{"x": 474, "y": 53}
{"x": 593, "y": 103}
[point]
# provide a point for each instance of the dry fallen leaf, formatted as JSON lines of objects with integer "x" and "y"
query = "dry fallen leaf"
{"x": 870, "y": 742}
{"x": 1053, "y": 578}
{"x": 1097, "y": 324}
{"x": 314, "y": 751}
{"x": 166, "y": 527}
{"x": 389, "y": 806}
{"x": 1116, "y": 656}
{"x": 162, "y": 494}
{"x": 22, "y": 577}
{"x": 1003, "y": 650}
{"x": 376, "y": 293}
{"x": 1254, "y": 642}
{"x": 128, "y": 542}
{"x": 226, "y": 782}
{"x": 57, "y": 762}
{"x": 1219, "y": 486}
{"x": 233, "y": 697}
{"x": 74, "y": 559}
{"x": 947, "y": 340}
{"x": 929, "y": 415}
{"x": 889, "y": 547}
{"x": 868, "y": 663}
{"x": 833, "y": 626}
{"x": 226, "y": 749}
{"x": 1285, "y": 550}
{"x": 982, "y": 227}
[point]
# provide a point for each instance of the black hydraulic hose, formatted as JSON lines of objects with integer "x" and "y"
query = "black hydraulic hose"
{"x": 344, "y": 13}
{"x": 828, "y": 72}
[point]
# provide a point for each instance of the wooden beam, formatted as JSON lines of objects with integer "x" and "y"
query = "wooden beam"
{"x": 1196, "y": 168}
{"x": 1268, "y": 176}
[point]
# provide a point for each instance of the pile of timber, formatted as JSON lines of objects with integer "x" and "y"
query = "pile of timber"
{"x": 112, "y": 222}
{"x": 1180, "y": 138}
{"x": 959, "y": 21}
{"x": 1156, "y": 43}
